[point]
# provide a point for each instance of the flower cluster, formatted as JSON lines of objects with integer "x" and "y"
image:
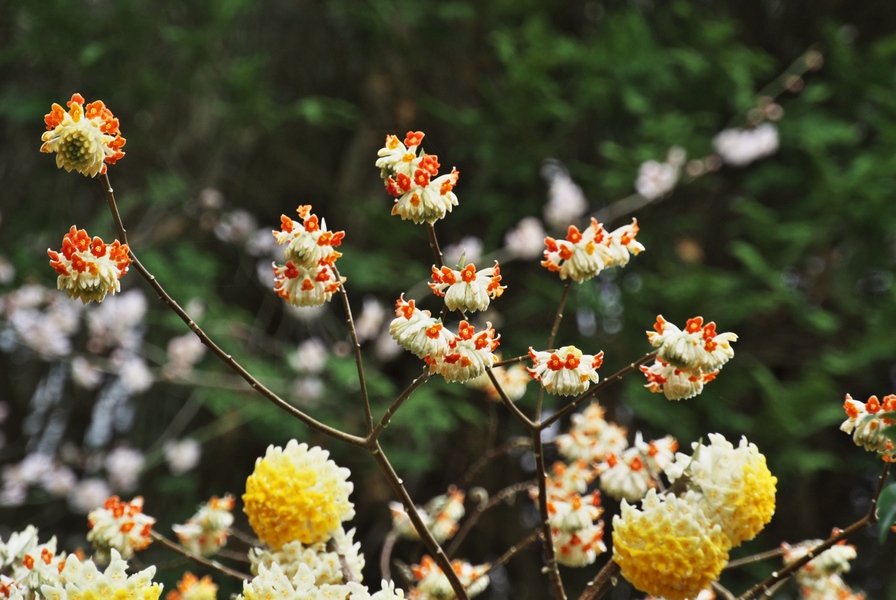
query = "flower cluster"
{"x": 420, "y": 195}
{"x": 297, "y": 494}
{"x": 206, "y": 532}
{"x": 513, "y": 381}
{"x": 820, "y": 578}
{"x": 656, "y": 179}
{"x": 630, "y": 473}
{"x": 440, "y": 515}
{"x": 865, "y": 421}
{"x": 120, "y": 527}
{"x": 30, "y": 564}
{"x": 274, "y": 583}
{"x": 591, "y": 438}
{"x": 191, "y": 587}
{"x": 325, "y": 564}
{"x": 468, "y": 354}
{"x": 433, "y": 585}
{"x": 308, "y": 278}
{"x": 84, "y": 138}
{"x": 418, "y": 331}
{"x": 89, "y": 269}
{"x": 686, "y": 359}
{"x": 84, "y": 580}
{"x": 467, "y": 290}
{"x": 584, "y": 254}
{"x": 740, "y": 147}
{"x": 576, "y": 528}
{"x": 565, "y": 372}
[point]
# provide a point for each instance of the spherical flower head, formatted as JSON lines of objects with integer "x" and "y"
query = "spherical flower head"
{"x": 85, "y": 581}
{"x": 120, "y": 527}
{"x": 301, "y": 286}
{"x": 566, "y": 372}
{"x": 325, "y": 564}
{"x": 297, "y": 493}
{"x": 308, "y": 243}
{"x": 625, "y": 475}
{"x": 669, "y": 548}
{"x": 467, "y": 290}
{"x": 206, "y": 532}
{"x": 425, "y": 203}
{"x": 84, "y": 138}
{"x": 191, "y": 587}
{"x": 734, "y": 485}
{"x": 274, "y": 583}
{"x": 89, "y": 269}
{"x": 468, "y": 355}
{"x": 432, "y": 583}
{"x": 417, "y": 331}
{"x": 866, "y": 423}
{"x": 675, "y": 383}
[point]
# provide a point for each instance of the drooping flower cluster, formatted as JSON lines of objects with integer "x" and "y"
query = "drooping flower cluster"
{"x": 468, "y": 354}
{"x": 420, "y": 195}
{"x": 733, "y": 485}
{"x": 191, "y": 587}
{"x": 432, "y": 584}
{"x": 584, "y": 254}
{"x": 206, "y": 532}
{"x": 440, "y": 515}
{"x": 274, "y": 583}
{"x": 513, "y": 381}
{"x": 576, "y": 528}
{"x": 820, "y": 578}
{"x": 297, "y": 494}
{"x": 865, "y": 421}
{"x": 669, "y": 548}
{"x": 591, "y": 438}
{"x": 740, "y": 147}
{"x": 566, "y": 372}
{"x": 120, "y": 527}
{"x": 89, "y": 269}
{"x": 84, "y": 580}
{"x": 467, "y": 290}
{"x": 630, "y": 473}
{"x": 418, "y": 331}
{"x": 84, "y": 138}
{"x": 30, "y": 564}
{"x": 325, "y": 564}
{"x": 308, "y": 277}
{"x": 686, "y": 359}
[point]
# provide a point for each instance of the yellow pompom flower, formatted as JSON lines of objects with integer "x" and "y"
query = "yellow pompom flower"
{"x": 296, "y": 493}
{"x": 669, "y": 548}
{"x": 735, "y": 487}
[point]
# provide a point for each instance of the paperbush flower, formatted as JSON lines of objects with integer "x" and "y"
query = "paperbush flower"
{"x": 83, "y": 580}
{"x": 865, "y": 422}
{"x": 432, "y": 583}
{"x": 657, "y": 453}
{"x": 297, "y": 494}
{"x": 120, "y": 527}
{"x": 566, "y": 372}
{"x": 740, "y": 147}
{"x": 733, "y": 485}
{"x": 440, "y": 515}
{"x": 467, "y": 290}
{"x": 206, "y": 532}
{"x": 590, "y": 437}
{"x": 30, "y": 564}
{"x": 420, "y": 196}
{"x": 84, "y": 138}
{"x": 308, "y": 243}
{"x": 301, "y": 286}
{"x": 273, "y": 583}
{"x": 675, "y": 383}
{"x": 513, "y": 381}
{"x": 468, "y": 354}
{"x": 89, "y": 269}
{"x": 191, "y": 587}
{"x": 325, "y": 564}
{"x": 584, "y": 254}
{"x": 697, "y": 349}
{"x": 820, "y": 578}
{"x": 579, "y": 548}
{"x": 669, "y": 548}
{"x": 417, "y": 331}
{"x": 625, "y": 475}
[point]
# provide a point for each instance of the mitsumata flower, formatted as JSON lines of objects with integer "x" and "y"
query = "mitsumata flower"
{"x": 590, "y": 437}
{"x": 865, "y": 421}
{"x": 468, "y": 355}
{"x": 584, "y": 254}
{"x": 467, "y": 290}
{"x": 418, "y": 331}
{"x": 420, "y": 196}
{"x": 433, "y": 585}
{"x": 732, "y": 485}
{"x": 120, "y": 527}
{"x": 820, "y": 578}
{"x": 274, "y": 583}
{"x": 440, "y": 515}
{"x": 308, "y": 244}
{"x": 323, "y": 559}
{"x": 302, "y": 286}
{"x": 669, "y": 548}
{"x": 191, "y": 587}
{"x": 206, "y": 532}
{"x": 89, "y": 269}
{"x": 296, "y": 493}
{"x": 84, "y": 581}
{"x": 566, "y": 372}
{"x": 84, "y": 138}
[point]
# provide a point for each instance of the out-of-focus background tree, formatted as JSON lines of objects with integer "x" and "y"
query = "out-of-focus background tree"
{"x": 237, "y": 111}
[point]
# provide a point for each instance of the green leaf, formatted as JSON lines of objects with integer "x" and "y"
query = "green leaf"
{"x": 886, "y": 511}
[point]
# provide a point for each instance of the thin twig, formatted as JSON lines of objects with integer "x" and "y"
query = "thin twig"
{"x": 501, "y": 496}
{"x": 558, "y": 317}
{"x": 387, "y": 416}
{"x": 490, "y": 455}
{"x": 605, "y": 580}
{"x": 510, "y": 361}
{"x": 356, "y": 346}
{"x": 514, "y": 550}
{"x": 386, "y": 555}
{"x": 733, "y": 564}
{"x": 216, "y": 350}
{"x": 721, "y": 589}
{"x": 347, "y": 575}
{"x": 434, "y": 245}
{"x": 521, "y": 417}
{"x": 546, "y": 535}
{"x": 197, "y": 558}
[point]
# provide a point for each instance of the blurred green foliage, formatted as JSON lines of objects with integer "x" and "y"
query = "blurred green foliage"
{"x": 279, "y": 103}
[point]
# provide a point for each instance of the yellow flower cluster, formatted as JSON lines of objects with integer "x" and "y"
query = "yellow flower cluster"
{"x": 297, "y": 494}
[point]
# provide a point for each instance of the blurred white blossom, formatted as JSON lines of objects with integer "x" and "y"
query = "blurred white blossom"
{"x": 85, "y": 374}
{"x": 182, "y": 455}
{"x": 469, "y": 247}
{"x": 526, "y": 240}
{"x": 740, "y": 147}
{"x": 236, "y": 226}
{"x": 88, "y": 494}
{"x": 123, "y": 464}
{"x": 309, "y": 357}
{"x": 566, "y": 202}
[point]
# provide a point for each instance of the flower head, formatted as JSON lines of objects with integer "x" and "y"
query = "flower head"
{"x": 83, "y": 580}
{"x": 865, "y": 421}
{"x": 566, "y": 372}
{"x": 669, "y": 548}
{"x": 467, "y": 290}
{"x": 120, "y": 527}
{"x": 440, "y": 515}
{"x": 89, "y": 269}
{"x": 468, "y": 355}
{"x": 733, "y": 485}
{"x": 697, "y": 348}
{"x": 84, "y": 138}
{"x": 323, "y": 562}
{"x": 432, "y": 583}
{"x": 30, "y": 564}
{"x": 418, "y": 331}
{"x": 191, "y": 587}
{"x": 513, "y": 381}
{"x": 301, "y": 286}
{"x": 740, "y": 147}
{"x": 296, "y": 493}
{"x": 206, "y": 532}
{"x": 308, "y": 243}
{"x": 590, "y": 437}
{"x": 625, "y": 475}
{"x": 584, "y": 254}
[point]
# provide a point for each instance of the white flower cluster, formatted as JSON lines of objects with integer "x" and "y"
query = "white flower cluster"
{"x": 631, "y": 473}
{"x": 656, "y": 179}
{"x": 274, "y": 583}
{"x": 740, "y": 147}
{"x": 513, "y": 381}
{"x": 119, "y": 528}
{"x": 865, "y": 421}
{"x": 576, "y": 528}
{"x": 590, "y": 437}
{"x": 584, "y": 254}
{"x": 85, "y": 580}
{"x": 566, "y": 372}
{"x": 324, "y": 564}
{"x": 206, "y": 532}
{"x": 433, "y": 585}
{"x": 467, "y": 290}
{"x": 820, "y": 578}
{"x": 440, "y": 515}
{"x": 30, "y": 564}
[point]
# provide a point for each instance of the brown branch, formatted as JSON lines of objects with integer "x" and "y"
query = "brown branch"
{"x": 733, "y": 564}
{"x": 213, "y": 564}
{"x": 386, "y": 555}
{"x": 387, "y": 416}
{"x": 510, "y": 361}
{"x": 521, "y": 417}
{"x": 490, "y": 455}
{"x": 347, "y": 575}
{"x": 514, "y": 550}
{"x": 356, "y": 346}
{"x": 547, "y": 537}
{"x": 558, "y": 317}
{"x": 602, "y": 583}
{"x": 503, "y": 495}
